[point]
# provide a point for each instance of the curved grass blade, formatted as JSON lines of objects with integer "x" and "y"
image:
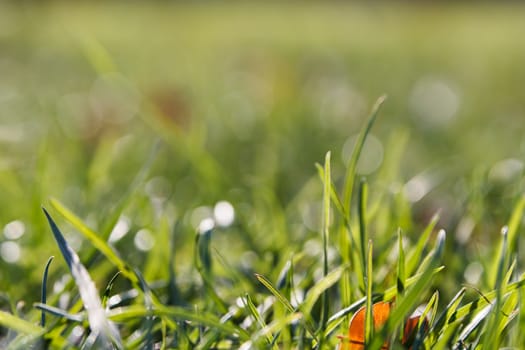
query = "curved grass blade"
{"x": 369, "y": 325}
{"x": 276, "y": 326}
{"x": 512, "y": 233}
{"x": 20, "y": 325}
{"x": 414, "y": 257}
{"x": 133, "y": 312}
{"x": 450, "y": 310}
{"x": 109, "y": 287}
{"x": 95, "y": 239}
{"x": 203, "y": 264}
{"x": 99, "y": 324}
{"x": 352, "y": 166}
{"x": 474, "y": 324}
{"x": 44, "y": 290}
{"x": 327, "y": 182}
{"x": 282, "y": 299}
{"x": 255, "y": 314}
{"x": 319, "y": 288}
{"x": 400, "y": 281}
{"x": 430, "y": 309}
{"x": 333, "y": 193}
{"x": 486, "y": 299}
{"x": 59, "y": 312}
{"x": 491, "y": 341}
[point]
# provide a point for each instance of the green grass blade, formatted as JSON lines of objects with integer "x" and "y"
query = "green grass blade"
{"x": 272, "y": 328}
{"x": 363, "y": 234}
{"x": 449, "y": 312}
{"x": 352, "y": 166}
{"x": 282, "y": 299}
{"x": 44, "y": 290}
{"x": 134, "y": 312}
{"x": 414, "y": 257}
{"x": 98, "y": 322}
{"x": 320, "y": 288}
{"x": 400, "y": 281}
{"x": 333, "y": 193}
{"x": 20, "y": 325}
{"x": 369, "y": 325}
{"x": 95, "y": 239}
{"x": 55, "y": 311}
{"x": 512, "y": 233}
{"x": 491, "y": 341}
{"x": 327, "y": 182}
{"x": 257, "y": 316}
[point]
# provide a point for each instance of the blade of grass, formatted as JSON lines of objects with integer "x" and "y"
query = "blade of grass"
{"x": 134, "y": 312}
{"x": 202, "y": 261}
{"x": 352, "y": 166}
{"x": 20, "y": 325}
{"x": 326, "y": 231}
{"x": 363, "y": 234}
{"x": 320, "y": 288}
{"x": 369, "y": 325}
{"x": 425, "y": 321}
{"x": 273, "y": 327}
{"x": 414, "y": 257}
{"x": 44, "y": 290}
{"x": 59, "y": 312}
{"x": 449, "y": 312}
{"x": 400, "y": 281}
{"x": 257, "y": 317}
{"x": 512, "y": 233}
{"x": 491, "y": 341}
{"x": 282, "y": 299}
{"x": 98, "y": 321}
{"x": 95, "y": 239}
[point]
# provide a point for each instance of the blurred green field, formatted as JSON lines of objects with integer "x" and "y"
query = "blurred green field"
{"x": 241, "y": 100}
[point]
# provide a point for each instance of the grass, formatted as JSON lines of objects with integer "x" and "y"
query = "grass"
{"x": 271, "y": 314}
{"x": 131, "y": 135}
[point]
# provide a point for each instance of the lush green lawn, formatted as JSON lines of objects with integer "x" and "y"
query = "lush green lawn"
{"x": 145, "y": 116}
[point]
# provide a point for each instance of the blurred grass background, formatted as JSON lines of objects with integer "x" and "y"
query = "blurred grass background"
{"x": 245, "y": 98}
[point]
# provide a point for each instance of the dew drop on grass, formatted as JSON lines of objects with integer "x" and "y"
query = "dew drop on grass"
{"x": 14, "y": 230}
{"x": 223, "y": 213}
{"x": 144, "y": 240}
{"x": 10, "y": 252}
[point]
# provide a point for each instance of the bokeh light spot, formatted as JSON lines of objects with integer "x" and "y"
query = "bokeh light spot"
{"x": 473, "y": 272}
{"x": 224, "y": 213}
{"x": 10, "y": 252}
{"x": 144, "y": 240}
{"x": 434, "y": 102}
{"x": 14, "y": 230}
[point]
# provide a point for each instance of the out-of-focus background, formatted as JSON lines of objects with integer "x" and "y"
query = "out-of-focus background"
{"x": 245, "y": 98}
